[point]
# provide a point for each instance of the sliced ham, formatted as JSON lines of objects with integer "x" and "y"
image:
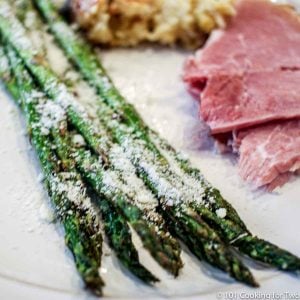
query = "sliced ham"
{"x": 258, "y": 55}
{"x": 234, "y": 102}
{"x": 247, "y": 79}
{"x": 262, "y": 36}
{"x": 270, "y": 154}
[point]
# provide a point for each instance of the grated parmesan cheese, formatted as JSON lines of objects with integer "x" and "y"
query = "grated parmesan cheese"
{"x": 221, "y": 212}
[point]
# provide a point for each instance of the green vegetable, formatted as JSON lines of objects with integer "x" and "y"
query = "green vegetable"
{"x": 82, "y": 231}
{"x": 231, "y": 228}
{"x": 193, "y": 221}
{"x": 163, "y": 248}
{"x": 57, "y": 91}
{"x": 105, "y": 182}
{"x": 88, "y": 64}
{"x": 115, "y": 225}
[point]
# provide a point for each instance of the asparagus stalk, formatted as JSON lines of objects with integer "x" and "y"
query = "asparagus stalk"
{"x": 94, "y": 142}
{"x": 226, "y": 262}
{"x": 201, "y": 239}
{"x": 254, "y": 247}
{"x": 163, "y": 248}
{"x": 120, "y": 239}
{"x": 82, "y": 229}
{"x": 242, "y": 239}
{"x": 71, "y": 45}
{"x": 258, "y": 255}
{"x": 83, "y": 57}
{"x": 115, "y": 225}
{"x": 107, "y": 185}
{"x": 101, "y": 145}
{"x": 85, "y": 128}
{"x": 89, "y": 134}
{"x": 232, "y": 229}
{"x": 222, "y": 259}
{"x": 87, "y": 62}
{"x": 211, "y": 193}
{"x": 195, "y": 233}
{"x": 90, "y": 67}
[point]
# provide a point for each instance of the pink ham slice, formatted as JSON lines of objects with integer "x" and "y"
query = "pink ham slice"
{"x": 262, "y": 36}
{"x": 248, "y": 79}
{"x": 234, "y": 102}
{"x": 269, "y": 154}
{"x": 249, "y": 73}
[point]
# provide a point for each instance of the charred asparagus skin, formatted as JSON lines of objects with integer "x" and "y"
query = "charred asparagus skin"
{"x": 82, "y": 230}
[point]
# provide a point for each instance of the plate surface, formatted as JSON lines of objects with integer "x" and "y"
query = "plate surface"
{"x": 34, "y": 262}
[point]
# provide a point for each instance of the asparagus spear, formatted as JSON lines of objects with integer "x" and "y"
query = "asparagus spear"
{"x": 232, "y": 229}
{"x": 216, "y": 199}
{"x": 82, "y": 229}
{"x": 116, "y": 226}
{"x": 252, "y": 246}
{"x": 89, "y": 134}
{"x": 83, "y": 57}
{"x": 89, "y": 65}
{"x": 199, "y": 235}
{"x": 94, "y": 142}
{"x": 69, "y": 42}
{"x": 205, "y": 240}
{"x": 195, "y": 233}
{"x": 86, "y": 129}
{"x": 258, "y": 255}
{"x": 107, "y": 184}
{"x": 163, "y": 248}
{"x": 102, "y": 146}
{"x": 97, "y": 144}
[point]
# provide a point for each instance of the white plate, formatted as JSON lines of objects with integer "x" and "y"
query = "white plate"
{"x": 34, "y": 262}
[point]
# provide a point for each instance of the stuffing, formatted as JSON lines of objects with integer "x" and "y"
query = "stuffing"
{"x": 129, "y": 22}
